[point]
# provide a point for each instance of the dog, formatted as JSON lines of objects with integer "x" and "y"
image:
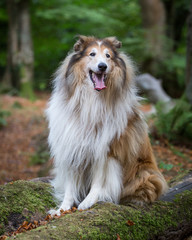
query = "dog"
{"x": 98, "y": 136}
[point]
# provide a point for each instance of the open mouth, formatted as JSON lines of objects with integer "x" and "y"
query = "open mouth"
{"x": 98, "y": 80}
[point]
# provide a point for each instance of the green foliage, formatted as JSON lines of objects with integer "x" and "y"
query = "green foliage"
{"x": 176, "y": 123}
{"x": 174, "y": 64}
{"x": 39, "y": 158}
{"x": 41, "y": 154}
{"x": 172, "y": 68}
{"x": 3, "y": 115}
{"x": 17, "y": 105}
{"x": 165, "y": 166}
{"x": 27, "y": 91}
{"x": 56, "y": 23}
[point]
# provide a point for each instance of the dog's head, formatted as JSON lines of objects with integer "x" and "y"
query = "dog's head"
{"x": 97, "y": 62}
{"x": 99, "y": 56}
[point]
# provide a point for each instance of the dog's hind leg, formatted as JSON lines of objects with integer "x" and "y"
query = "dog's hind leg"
{"x": 106, "y": 184}
{"x": 143, "y": 181}
{"x": 146, "y": 187}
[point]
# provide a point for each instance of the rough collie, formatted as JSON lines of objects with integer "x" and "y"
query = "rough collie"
{"x": 98, "y": 137}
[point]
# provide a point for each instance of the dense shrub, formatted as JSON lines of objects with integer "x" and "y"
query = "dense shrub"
{"x": 175, "y": 124}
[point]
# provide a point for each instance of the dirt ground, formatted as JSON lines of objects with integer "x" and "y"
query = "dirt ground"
{"x": 19, "y": 141}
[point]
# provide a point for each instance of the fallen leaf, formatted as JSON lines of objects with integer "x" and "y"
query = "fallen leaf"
{"x": 42, "y": 223}
{"x": 48, "y": 217}
{"x": 36, "y": 223}
{"x": 118, "y": 237}
{"x": 130, "y": 223}
{"x": 74, "y": 208}
{"x": 61, "y": 211}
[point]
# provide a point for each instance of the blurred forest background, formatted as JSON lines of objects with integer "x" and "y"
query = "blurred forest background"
{"x": 35, "y": 35}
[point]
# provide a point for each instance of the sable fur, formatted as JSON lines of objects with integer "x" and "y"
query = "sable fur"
{"x": 99, "y": 140}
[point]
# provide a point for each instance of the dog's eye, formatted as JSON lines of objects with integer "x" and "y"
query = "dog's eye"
{"x": 92, "y": 54}
{"x": 107, "y": 55}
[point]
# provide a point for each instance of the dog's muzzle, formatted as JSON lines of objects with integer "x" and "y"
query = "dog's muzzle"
{"x": 98, "y": 78}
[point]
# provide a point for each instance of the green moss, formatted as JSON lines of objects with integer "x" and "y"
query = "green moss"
{"x": 34, "y": 197}
{"x": 105, "y": 221}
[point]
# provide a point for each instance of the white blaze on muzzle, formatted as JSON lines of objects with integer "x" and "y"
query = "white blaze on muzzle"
{"x": 98, "y": 69}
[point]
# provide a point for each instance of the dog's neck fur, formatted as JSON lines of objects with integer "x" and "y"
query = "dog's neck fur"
{"x": 92, "y": 120}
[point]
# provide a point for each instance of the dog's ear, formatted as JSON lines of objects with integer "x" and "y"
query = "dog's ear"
{"x": 79, "y": 44}
{"x": 113, "y": 40}
{"x": 82, "y": 42}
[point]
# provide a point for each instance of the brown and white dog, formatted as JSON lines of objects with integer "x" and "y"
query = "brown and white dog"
{"x": 98, "y": 137}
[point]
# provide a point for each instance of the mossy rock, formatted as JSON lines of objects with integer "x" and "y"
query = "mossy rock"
{"x": 161, "y": 220}
{"x": 107, "y": 221}
{"x": 23, "y": 200}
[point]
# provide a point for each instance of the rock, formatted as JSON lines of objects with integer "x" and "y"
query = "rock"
{"x": 23, "y": 200}
{"x": 165, "y": 219}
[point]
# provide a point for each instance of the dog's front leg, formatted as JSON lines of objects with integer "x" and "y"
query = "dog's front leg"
{"x": 106, "y": 184}
{"x": 91, "y": 198}
{"x": 68, "y": 200}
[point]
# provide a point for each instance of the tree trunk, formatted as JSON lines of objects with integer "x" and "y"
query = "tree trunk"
{"x": 169, "y": 218}
{"x": 153, "y": 15}
{"x": 177, "y": 12}
{"x": 26, "y": 50}
{"x": 19, "y": 71}
{"x": 189, "y": 58}
{"x": 10, "y": 77}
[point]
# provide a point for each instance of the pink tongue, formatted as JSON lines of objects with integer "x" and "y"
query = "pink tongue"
{"x": 99, "y": 81}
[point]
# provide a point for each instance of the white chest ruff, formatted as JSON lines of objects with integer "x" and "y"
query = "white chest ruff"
{"x": 82, "y": 128}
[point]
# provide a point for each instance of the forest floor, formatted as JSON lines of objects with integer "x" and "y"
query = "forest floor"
{"x": 23, "y": 143}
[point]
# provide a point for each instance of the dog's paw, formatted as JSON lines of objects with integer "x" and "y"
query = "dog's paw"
{"x": 59, "y": 211}
{"x": 89, "y": 201}
{"x": 85, "y": 205}
{"x": 54, "y": 212}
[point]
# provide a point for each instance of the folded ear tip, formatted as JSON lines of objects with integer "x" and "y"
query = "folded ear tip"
{"x": 114, "y": 41}
{"x": 119, "y": 44}
{"x": 77, "y": 45}
{"x": 81, "y": 39}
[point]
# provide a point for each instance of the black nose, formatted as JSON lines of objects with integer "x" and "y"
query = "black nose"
{"x": 102, "y": 66}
